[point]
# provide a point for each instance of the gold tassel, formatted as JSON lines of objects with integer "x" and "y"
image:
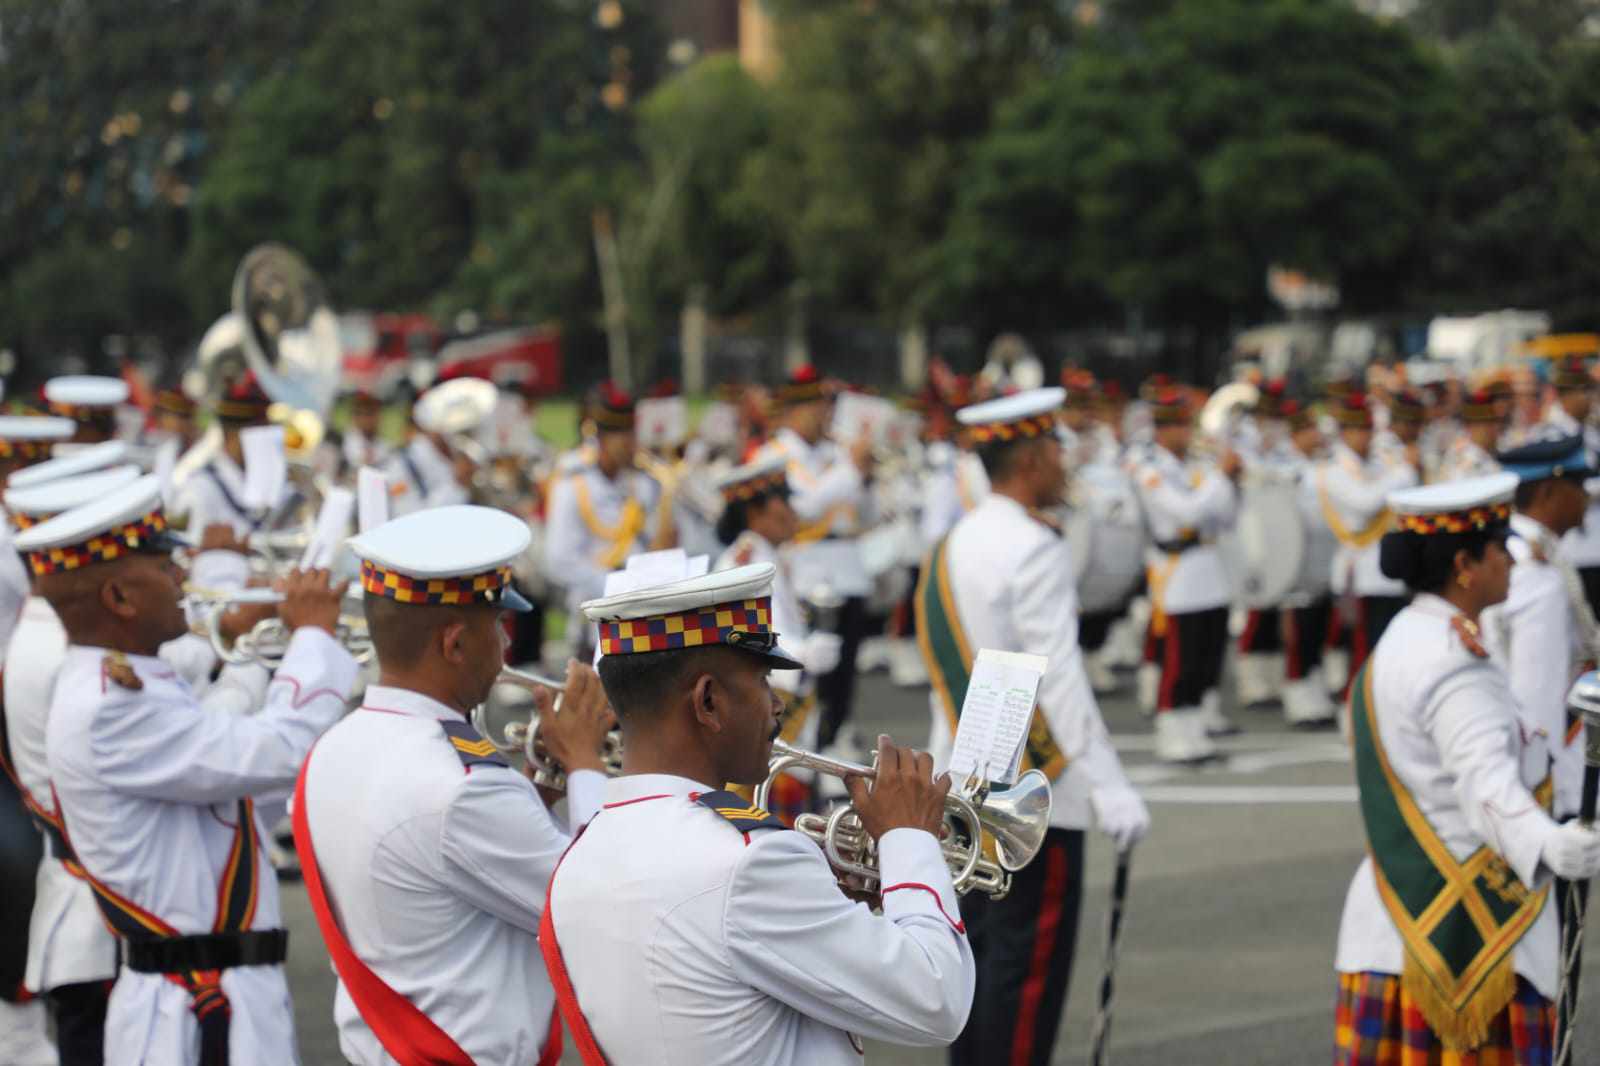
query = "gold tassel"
{"x": 1468, "y": 1028}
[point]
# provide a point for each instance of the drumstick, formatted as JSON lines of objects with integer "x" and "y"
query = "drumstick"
{"x": 1100, "y": 1038}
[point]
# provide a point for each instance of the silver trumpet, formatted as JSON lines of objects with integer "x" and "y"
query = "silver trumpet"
{"x": 1013, "y": 821}
{"x": 268, "y": 640}
{"x": 522, "y": 737}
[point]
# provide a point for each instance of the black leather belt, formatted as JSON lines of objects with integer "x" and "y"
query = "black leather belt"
{"x": 1182, "y": 544}
{"x": 208, "y": 951}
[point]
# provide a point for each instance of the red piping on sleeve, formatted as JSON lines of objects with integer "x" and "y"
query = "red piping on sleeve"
{"x": 959, "y": 927}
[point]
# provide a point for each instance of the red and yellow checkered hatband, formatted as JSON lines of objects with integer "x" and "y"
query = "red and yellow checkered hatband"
{"x": 1032, "y": 426}
{"x": 724, "y": 623}
{"x": 487, "y": 587}
{"x": 24, "y": 449}
{"x": 756, "y": 486}
{"x": 114, "y": 543}
{"x": 23, "y": 521}
{"x": 1468, "y": 521}
{"x": 81, "y": 412}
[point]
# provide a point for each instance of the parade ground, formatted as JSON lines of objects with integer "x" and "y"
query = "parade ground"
{"x": 1227, "y": 951}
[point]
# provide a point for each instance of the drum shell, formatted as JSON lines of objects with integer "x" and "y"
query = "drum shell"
{"x": 1265, "y": 551}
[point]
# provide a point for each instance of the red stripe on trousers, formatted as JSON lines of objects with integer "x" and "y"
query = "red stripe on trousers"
{"x": 1151, "y": 641}
{"x": 1292, "y": 669}
{"x": 1044, "y": 944}
{"x": 1252, "y": 622}
{"x": 1169, "y": 669}
{"x": 1358, "y": 645}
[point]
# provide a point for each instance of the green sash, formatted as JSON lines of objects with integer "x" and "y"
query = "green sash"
{"x": 1459, "y": 920}
{"x": 949, "y": 659}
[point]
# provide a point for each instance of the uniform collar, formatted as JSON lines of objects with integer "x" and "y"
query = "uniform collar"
{"x": 390, "y": 700}
{"x": 1532, "y": 530}
{"x": 633, "y": 788}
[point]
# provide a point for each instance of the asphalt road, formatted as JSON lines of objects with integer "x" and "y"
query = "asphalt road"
{"x": 1227, "y": 950}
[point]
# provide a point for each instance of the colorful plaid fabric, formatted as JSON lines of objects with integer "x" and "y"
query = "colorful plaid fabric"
{"x": 1034, "y": 426}
{"x": 1353, "y": 410}
{"x": 1469, "y": 521}
{"x": 1376, "y": 1024}
{"x": 756, "y": 486}
{"x": 487, "y": 587}
{"x": 24, "y": 449}
{"x": 112, "y": 544}
{"x": 724, "y": 623}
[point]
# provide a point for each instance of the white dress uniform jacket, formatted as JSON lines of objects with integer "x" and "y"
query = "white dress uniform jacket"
{"x": 1582, "y": 545}
{"x": 358, "y": 450}
{"x": 14, "y": 586}
{"x": 689, "y": 943}
{"x": 1180, "y": 499}
{"x": 1535, "y": 637}
{"x": 148, "y": 782}
{"x": 826, "y": 489}
{"x": 437, "y": 872}
{"x": 1355, "y": 489}
{"x": 574, "y": 550}
{"x": 420, "y": 477}
{"x": 1449, "y": 724}
{"x": 214, "y": 495}
{"x": 1465, "y": 459}
{"x": 1012, "y": 579}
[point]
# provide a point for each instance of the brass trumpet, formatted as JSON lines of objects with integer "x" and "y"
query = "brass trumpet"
{"x": 268, "y": 640}
{"x": 976, "y": 817}
{"x": 522, "y": 738}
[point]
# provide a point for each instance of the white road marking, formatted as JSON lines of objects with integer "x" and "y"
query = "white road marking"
{"x": 1243, "y": 794}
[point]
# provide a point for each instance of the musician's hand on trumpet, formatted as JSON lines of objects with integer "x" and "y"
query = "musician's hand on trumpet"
{"x": 903, "y": 794}
{"x": 574, "y": 734}
{"x": 241, "y": 618}
{"x": 309, "y": 599}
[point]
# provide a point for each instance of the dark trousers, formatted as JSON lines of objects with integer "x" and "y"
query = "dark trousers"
{"x": 1262, "y": 631}
{"x": 1023, "y": 947}
{"x": 1373, "y": 615}
{"x": 1590, "y": 576}
{"x": 1191, "y": 657}
{"x": 1305, "y": 633}
{"x": 80, "y": 1015}
{"x": 1093, "y": 629}
{"x": 836, "y": 691}
{"x": 21, "y": 848}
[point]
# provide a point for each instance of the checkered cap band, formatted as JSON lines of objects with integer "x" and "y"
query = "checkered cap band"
{"x": 24, "y": 449}
{"x": 724, "y": 623}
{"x": 80, "y": 412}
{"x": 1033, "y": 426}
{"x": 796, "y": 392}
{"x": 114, "y": 543}
{"x": 248, "y": 410}
{"x": 1354, "y": 417}
{"x": 22, "y": 521}
{"x": 1468, "y": 521}
{"x": 756, "y": 486}
{"x": 487, "y": 587}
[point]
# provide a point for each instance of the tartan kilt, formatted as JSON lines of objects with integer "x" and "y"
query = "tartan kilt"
{"x": 1376, "y": 1024}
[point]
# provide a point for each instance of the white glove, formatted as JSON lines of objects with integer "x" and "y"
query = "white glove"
{"x": 1121, "y": 814}
{"x": 820, "y": 653}
{"x": 1573, "y": 852}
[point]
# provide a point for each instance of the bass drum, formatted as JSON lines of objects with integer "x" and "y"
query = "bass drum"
{"x": 1266, "y": 548}
{"x": 1105, "y": 528}
{"x": 1316, "y": 568}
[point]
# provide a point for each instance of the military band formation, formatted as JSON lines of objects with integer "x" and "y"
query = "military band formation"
{"x": 266, "y": 651}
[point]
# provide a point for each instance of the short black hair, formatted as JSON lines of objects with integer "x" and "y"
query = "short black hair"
{"x": 401, "y": 631}
{"x": 1426, "y": 562}
{"x": 636, "y": 683}
{"x": 1528, "y": 491}
{"x": 735, "y": 517}
{"x": 998, "y": 456}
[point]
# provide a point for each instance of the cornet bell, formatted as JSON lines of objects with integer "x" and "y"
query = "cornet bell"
{"x": 1017, "y": 818}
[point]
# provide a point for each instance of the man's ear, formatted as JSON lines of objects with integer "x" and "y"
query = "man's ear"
{"x": 115, "y": 599}
{"x": 452, "y": 642}
{"x": 709, "y": 701}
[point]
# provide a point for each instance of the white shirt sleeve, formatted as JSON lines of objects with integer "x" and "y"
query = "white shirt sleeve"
{"x": 1539, "y": 648}
{"x": 1475, "y": 732}
{"x": 1046, "y": 614}
{"x": 1212, "y": 500}
{"x": 176, "y": 751}
{"x": 503, "y": 844}
{"x": 906, "y": 977}
{"x": 569, "y": 564}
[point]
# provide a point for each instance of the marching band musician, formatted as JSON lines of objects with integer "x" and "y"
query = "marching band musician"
{"x": 1306, "y": 703}
{"x": 1003, "y": 578}
{"x": 1569, "y": 412}
{"x": 363, "y": 443}
{"x": 216, "y": 492}
{"x": 685, "y": 926}
{"x": 756, "y": 522}
{"x": 155, "y": 794}
{"x": 172, "y": 418}
{"x": 605, "y": 511}
{"x": 428, "y": 471}
{"x": 1259, "y": 666}
{"x": 1447, "y": 950}
{"x": 24, "y": 439}
{"x": 1187, "y": 507}
{"x": 89, "y": 401}
{"x": 1471, "y": 452}
{"x": 427, "y": 867}
{"x": 1351, "y": 486}
{"x": 829, "y": 487}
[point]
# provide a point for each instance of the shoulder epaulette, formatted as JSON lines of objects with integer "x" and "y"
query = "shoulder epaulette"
{"x": 739, "y": 813}
{"x": 470, "y": 746}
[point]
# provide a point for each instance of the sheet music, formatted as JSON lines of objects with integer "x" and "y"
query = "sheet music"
{"x": 266, "y": 468}
{"x": 333, "y": 525}
{"x": 995, "y": 715}
{"x": 372, "y": 498}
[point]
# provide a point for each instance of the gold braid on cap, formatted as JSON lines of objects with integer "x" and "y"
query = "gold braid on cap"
{"x": 1474, "y": 519}
{"x": 1022, "y": 429}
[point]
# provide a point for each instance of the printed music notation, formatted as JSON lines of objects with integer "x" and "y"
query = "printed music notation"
{"x": 995, "y": 715}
